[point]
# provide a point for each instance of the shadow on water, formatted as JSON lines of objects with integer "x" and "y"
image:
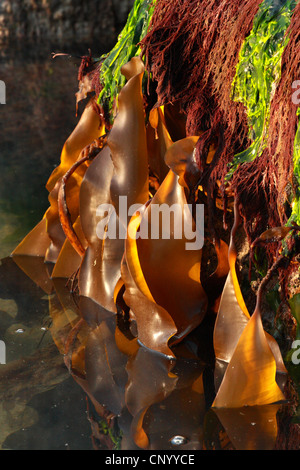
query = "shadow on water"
{"x": 104, "y": 390}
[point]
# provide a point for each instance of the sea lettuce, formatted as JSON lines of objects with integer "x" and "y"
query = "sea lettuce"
{"x": 127, "y": 46}
{"x": 259, "y": 71}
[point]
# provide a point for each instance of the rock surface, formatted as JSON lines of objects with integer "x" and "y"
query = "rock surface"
{"x": 62, "y": 21}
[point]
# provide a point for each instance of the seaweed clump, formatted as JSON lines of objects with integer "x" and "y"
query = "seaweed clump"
{"x": 193, "y": 108}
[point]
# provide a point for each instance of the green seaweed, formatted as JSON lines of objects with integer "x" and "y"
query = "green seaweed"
{"x": 293, "y": 356}
{"x": 258, "y": 71}
{"x": 294, "y": 303}
{"x": 295, "y": 216}
{"x": 127, "y": 46}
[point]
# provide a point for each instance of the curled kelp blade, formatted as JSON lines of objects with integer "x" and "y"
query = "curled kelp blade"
{"x": 128, "y": 144}
{"x": 176, "y": 285}
{"x": 232, "y": 315}
{"x": 87, "y": 130}
{"x": 100, "y": 271}
{"x": 105, "y": 367}
{"x": 232, "y": 328}
{"x": 54, "y": 228}
{"x": 154, "y": 325}
{"x": 95, "y": 190}
{"x": 180, "y": 159}
{"x": 100, "y": 268}
{"x": 250, "y": 378}
{"x": 69, "y": 260}
{"x": 121, "y": 170}
{"x": 36, "y": 242}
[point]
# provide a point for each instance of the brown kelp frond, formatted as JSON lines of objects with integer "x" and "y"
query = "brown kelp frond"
{"x": 267, "y": 181}
{"x": 87, "y": 154}
{"x": 246, "y": 346}
{"x": 195, "y": 66}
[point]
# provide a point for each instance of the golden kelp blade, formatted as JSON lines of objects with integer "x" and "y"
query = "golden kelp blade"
{"x": 139, "y": 436}
{"x": 88, "y": 129}
{"x": 230, "y": 323}
{"x": 171, "y": 272}
{"x": 100, "y": 268}
{"x": 121, "y": 169}
{"x": 154, "y": 324}
{"x": 127, "y": 142}
{"x": 231, "y": 328}
{"x": 36, "y": 242}
{"x": 132, "y": 256}
{"x": 175, "y": 287}
{"x": 69, "y": 260}
{"x": 179, "y": 158}
{"x": 231, "y": 320}
{"x": 47, "y": 238}
{"x": 249, "y": 379}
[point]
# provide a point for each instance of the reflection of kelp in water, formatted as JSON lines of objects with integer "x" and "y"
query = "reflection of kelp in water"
{"x": 166, "y": 293}
{"x": 139, "y": 398}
